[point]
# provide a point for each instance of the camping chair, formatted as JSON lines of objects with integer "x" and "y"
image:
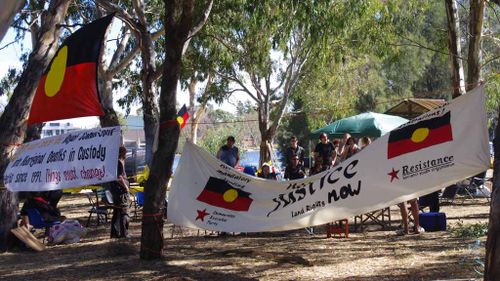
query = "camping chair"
{"x": 476, "y": 188}
{"x": 381, "y": 217}
{"x": 449, "y": 194}
{"x": 138, "y": 202}
{"x": 96, "y": 208}
{"x": 37, "y": 221}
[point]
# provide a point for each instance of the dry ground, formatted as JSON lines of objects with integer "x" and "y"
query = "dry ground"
{"x": 295, "y": 255}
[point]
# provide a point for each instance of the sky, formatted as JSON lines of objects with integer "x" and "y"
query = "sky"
{"x": 10, "y": 57}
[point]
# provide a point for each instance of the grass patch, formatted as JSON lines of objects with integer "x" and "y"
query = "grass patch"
{"x": 475, "y": 230}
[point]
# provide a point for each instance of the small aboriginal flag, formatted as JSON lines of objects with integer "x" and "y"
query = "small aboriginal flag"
{"x": 419, "y": 135}
{"x": 68, "y": 88}
{"x": 221, "y": 194}
{"x": 182, "y": 116}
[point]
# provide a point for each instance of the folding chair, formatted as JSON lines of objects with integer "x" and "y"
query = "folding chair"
{"x": 138, "y": 202}
{"x": 476, "y": 185}
{"x": 381, "y": 217}
{"x": 96, "y": 207}
{"x": 449, "y": 194}
{"x": 37, "y": 221}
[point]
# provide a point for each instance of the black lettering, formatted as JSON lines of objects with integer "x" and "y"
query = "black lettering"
{"x": 301, "y": 192}
{"x": 275, "y": 208}
{"x": 351, "y": 165}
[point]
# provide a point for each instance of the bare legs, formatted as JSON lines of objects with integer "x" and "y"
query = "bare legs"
{"x": 414, "y": 212}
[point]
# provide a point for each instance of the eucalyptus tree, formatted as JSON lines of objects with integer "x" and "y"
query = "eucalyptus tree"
{"x": 44, "y": 25}
{"x": 146, "y": 28}
{"x": 274, "y": 47}
{"x": 182, "y": 21}
{"x": 455, "y": 48}
{"x": 8, "y": 9}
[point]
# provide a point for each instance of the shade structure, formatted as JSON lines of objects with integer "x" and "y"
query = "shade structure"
{"x": 369, "y": 124}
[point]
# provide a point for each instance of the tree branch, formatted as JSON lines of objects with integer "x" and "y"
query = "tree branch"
{"x": 197, "y": 27}
{"x": 120, "y": 13}
{"x": 119, "y": 50}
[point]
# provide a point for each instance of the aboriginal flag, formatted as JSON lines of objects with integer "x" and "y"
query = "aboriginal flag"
{"x": 419, "y": 135}
{"x": 221, "y": 194}
{"x": 68, "y": 88}
{"x": 182, "y": 116}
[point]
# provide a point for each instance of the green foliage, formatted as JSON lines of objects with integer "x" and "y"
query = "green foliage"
{"x": 294, "y": 125}
{"x": 225, "y": 124}
{"x": 476, "y": 230}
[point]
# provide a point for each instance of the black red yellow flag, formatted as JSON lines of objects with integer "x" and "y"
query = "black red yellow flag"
{"x": 182, "y": 116}
{"x": 68, "y": 88}
{"x": 219, "y": 193}
{"x": 419, "y": 135}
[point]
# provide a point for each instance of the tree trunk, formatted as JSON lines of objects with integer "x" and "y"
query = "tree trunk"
{"x": 8, "y": 10}
{"x": 265, "y": 150}
{"x": 110, "y": 118}
{"x": 474, "y": 57}
{"x": 197, "y": 113}
{"x": 178, "y": 22}
{"x": 492, "y": 258}
{"x": 454, "y": 48}
{"x": 13, "y": 120}
{"x": 149, "y": 106}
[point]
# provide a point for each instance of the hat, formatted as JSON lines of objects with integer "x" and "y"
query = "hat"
{"x": 265, "y": 164}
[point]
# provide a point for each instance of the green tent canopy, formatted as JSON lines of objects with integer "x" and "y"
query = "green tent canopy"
{"x": 369, "y": 124}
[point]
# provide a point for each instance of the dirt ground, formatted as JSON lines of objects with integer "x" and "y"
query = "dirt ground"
{"x": 294, "y": 255}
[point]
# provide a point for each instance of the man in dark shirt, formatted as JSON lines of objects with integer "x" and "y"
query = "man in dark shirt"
{"x": 294, "y": 149}
{"x": 294, "y": 170}
{"x": 326, "y": 151}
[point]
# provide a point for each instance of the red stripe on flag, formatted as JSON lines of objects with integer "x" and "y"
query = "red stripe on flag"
{"x": 436, "y": 136}
{"x": 77, "y": 96}
{"x": 216, "y": 199}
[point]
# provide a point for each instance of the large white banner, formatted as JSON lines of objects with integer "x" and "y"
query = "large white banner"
{"x": 73, "y": 159}
{"x": 428, "y": 153}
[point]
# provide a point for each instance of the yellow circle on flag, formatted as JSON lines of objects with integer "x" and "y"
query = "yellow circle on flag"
{"x": 420, "y": 134}
{"x": 55, "y": 77}
{"x": 230, "y": 195}
{"x": 180, "y": 120}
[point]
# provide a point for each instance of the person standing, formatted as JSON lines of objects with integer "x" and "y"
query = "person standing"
{"x": 343, "y": 143}
{"x": 294, "y": 149}
{"x": 350, "y": 148}
{"x": 121, "y": 199}
{"x": 404, "y": 217}
{"x": 326, "y": 151}
{"x": 365, "y": 141}
{"x": 229, "y": 153}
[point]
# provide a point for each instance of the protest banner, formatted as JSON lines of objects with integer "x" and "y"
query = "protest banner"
{"x": 426, "y": 154}
{"x": 76, "y": 158}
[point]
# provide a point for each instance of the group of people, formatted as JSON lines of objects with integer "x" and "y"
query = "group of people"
{"x": 326, "y": 155}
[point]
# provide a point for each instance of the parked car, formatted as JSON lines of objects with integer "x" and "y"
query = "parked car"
{"x": 135, "y": 162}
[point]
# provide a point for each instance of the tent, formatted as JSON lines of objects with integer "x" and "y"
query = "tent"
{"x": 369, "y": 124}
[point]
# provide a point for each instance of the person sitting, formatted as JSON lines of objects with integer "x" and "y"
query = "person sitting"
{"x": 294, "y": 170}
{"x": 266, "y": 173}
{"x": 36, "y": 200}
{"x": 318, "y": 166}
